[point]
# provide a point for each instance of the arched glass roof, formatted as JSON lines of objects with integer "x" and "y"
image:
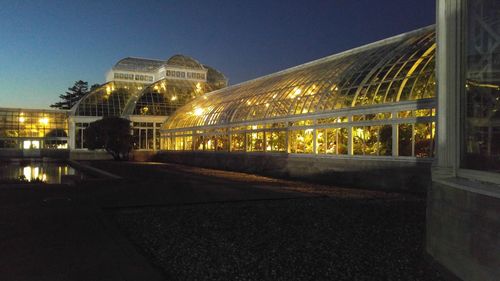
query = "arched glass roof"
{"x": 167, "y": 95}
{"x": 184, "y": 62}
{"x": 215, "y": 77}
{"x": 161, "y": 98}
{"x": 396, "y": 69}
{"x": 138, "y": 64}
{"x": 110, "y": 99}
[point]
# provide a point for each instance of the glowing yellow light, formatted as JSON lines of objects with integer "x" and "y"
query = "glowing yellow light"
{"x": 139, "y": 88}
{"x": 267, "y": 104}
{"x": 359, "y": 132}
{"x": 163, "y": 85}
{"x": 254, "y": 127}
{"x": 27, "y": 173}
{"x": 44, "y": 121}
{"x": 249, "y": 102}
{"x": 62, "y": 146}
{"x": 108, "y": 90}
{"x": 308, "y": 131}
{"x": 156, "y": 87}
{"x": 275, "y": 95}
{"x": 173, "y": 98}
{"x": 198, "y": 87}
{"x": 205, "y": 97}
{"x": 198, "y": 111}
{"x": 21, "y": 119}
{"x": 295, "y": 93}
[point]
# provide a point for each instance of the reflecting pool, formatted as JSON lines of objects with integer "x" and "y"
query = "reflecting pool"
{"x": 48, "y": 172}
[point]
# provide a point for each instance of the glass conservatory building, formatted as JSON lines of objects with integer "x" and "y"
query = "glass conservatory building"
{"x": 31, "y": 129}
{"x": 376, "y": 102}
{"x": 146, "y": 92}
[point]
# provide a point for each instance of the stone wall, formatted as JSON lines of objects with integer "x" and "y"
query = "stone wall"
{"x": 142, "y": 155}
{"x": 377, "y": 173}
{"x": 34, "y": 153}
{"x": 463, "y": 231}
{"x": 90, "y": 155}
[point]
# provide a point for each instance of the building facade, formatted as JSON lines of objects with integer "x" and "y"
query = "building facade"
{"x": 371, "y": 108}
{"x": 144, "y": 91}
{"x": 463, "y": 210}
{"x": 31, "y": 133}
{"x": 376, "y": 116}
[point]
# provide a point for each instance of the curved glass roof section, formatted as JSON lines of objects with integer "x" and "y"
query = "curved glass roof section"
{"x": 184, "y": 62}
{"x": 164, "y": 97}
{"x": 400, "y": 68}
{"x": 109, "y": 99}
{"x": 161, "y": 98}
{"x": 215, "y": 77}
{"x": 138, "y": 64}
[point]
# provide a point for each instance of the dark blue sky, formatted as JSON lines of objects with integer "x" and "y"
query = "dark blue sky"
{"x": 46, "y": 45}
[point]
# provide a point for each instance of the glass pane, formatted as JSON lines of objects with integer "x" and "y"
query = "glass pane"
{"x": 424, "y": 139}
{"x": 238, "y": 142}
{"x": 343, "y": 141}
{"x": 482, "y": 126}
{"x": 405, "y": 139}
{"x": 301, "y": 141}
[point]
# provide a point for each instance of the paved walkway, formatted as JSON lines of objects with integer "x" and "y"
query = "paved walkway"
{"x": 50, "y": 232}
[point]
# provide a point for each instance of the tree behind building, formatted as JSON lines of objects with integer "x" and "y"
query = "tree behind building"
{"x": 74, "y": 94}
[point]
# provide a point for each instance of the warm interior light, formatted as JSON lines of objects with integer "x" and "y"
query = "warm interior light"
{"x": 21, "y": 119}
{"x": 173, "y": 98}
{"x": 295, "y": 93}
{"x": 44, "y": 121}
{"x": 198, "y": 111}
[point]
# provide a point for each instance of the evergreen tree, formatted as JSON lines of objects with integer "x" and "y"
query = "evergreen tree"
{"x": 73, "y": 95}
{"x": 94, "y": 87}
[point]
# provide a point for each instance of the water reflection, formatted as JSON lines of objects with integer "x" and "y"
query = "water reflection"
{"x": 48, "y": 172}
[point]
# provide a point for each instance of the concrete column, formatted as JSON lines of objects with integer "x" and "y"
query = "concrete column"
{"x": 395, "y": 137}
{"x": 450, "y": 64}
{"x": 71, "y": 133}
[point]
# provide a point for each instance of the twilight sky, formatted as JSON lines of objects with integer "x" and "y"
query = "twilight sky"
{"x": 46, "y": 45}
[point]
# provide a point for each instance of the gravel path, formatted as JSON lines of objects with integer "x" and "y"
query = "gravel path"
{"x": 292, "y": 239}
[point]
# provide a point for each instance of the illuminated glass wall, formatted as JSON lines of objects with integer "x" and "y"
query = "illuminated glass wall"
{"x": 33, "y": 129}
{"x": 375, "y": 101}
